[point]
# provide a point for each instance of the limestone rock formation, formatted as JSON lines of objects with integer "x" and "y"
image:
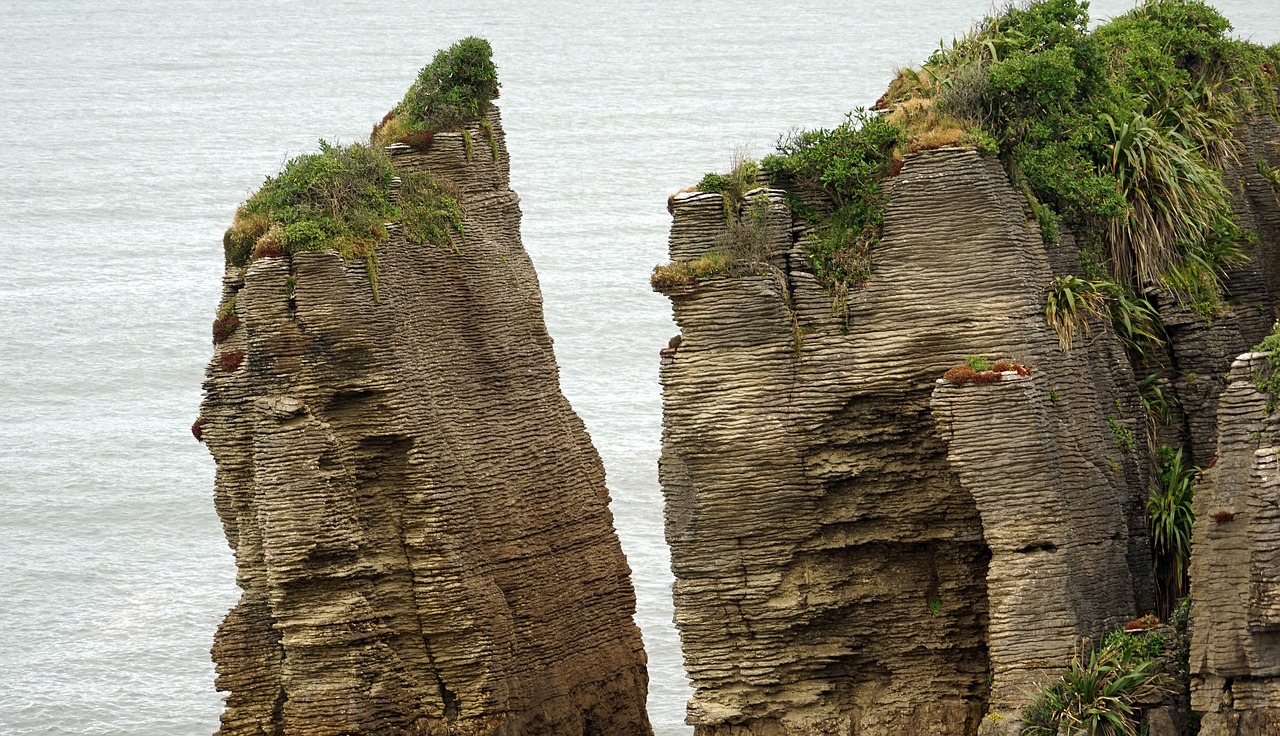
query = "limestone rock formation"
{"x": 859, "y": 551}
{"x": 1235, "y": 568}
{"x": 862, "y": 548}
{"x": 420, "y": 521}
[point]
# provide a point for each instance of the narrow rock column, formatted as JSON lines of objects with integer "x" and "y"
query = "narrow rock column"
{"x": 420, "y": 521}
{"x": 1057, "y": 534}
{"x": 1235, "y": 566}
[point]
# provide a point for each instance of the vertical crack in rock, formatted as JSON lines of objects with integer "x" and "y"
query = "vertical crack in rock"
{"x": 420, "y": 521}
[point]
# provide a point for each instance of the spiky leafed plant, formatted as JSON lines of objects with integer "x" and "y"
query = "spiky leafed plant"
{"x": 1070, "y": 303}
{"x": 1169, "y": 510}
{"x": 1173, "y": 197}
{"x": 1072, "y": 300}
{"x": 1095, "y": 695}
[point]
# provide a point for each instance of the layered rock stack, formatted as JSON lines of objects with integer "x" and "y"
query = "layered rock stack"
{"x": 1235, "y": 567}
{"x": 862, "y": 548}
{"x": 420, "y": 521}
{"x": 860, "y": 551}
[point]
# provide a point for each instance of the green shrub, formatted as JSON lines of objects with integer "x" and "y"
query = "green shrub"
{"x": 340, "y": 199}
{"x": 1097, "y": 692}
{"x": 1119, "y": 132}
{"x": 1268, "y": 381}
{"x": 848, "y": 163}
{"x": 430, "y": 210}
{"x": 454, "y": 90}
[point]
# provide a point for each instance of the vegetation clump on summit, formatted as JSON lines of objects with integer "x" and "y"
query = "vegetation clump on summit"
{"x": 453, "y": 91}
{"x": 341, "y": 198}
{"x": 1119, "y": 133}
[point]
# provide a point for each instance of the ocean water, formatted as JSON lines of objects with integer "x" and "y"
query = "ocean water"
{"x": 131, "y": 131}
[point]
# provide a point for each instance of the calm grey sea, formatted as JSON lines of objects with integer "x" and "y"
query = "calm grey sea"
{"x": 131, "y": 130}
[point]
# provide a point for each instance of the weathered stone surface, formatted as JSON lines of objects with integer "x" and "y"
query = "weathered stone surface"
{"x": 846, "y": 559}
{"x": 420, "y": 522}
{"x": 1235, "y": 567}
{"x": 1054, "y": 523}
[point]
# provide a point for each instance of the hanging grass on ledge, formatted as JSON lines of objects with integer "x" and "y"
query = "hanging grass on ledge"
{"x": 1268, "y": 381}
{"x": 847, "y": 163}
{"x": 340, "y": 199}
{"x": 453, "y": 91}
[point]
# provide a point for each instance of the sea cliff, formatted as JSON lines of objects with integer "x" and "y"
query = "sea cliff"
{"x": 935, "y": 411}
{"x": 419, "y": 519}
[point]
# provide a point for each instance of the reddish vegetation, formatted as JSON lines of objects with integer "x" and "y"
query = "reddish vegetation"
{"x": 963, "y": 373}
{"x": 268, "y": 249}
{"x": 419, "y": 140}
{"x": 1145, "y": 623}
{"x": 1002, "y": 366}
{"x": 197, "y": 431}
{"x": 895, "y": 166}
{"x": 223, "y": 327}
{"x": 230, "y": 360}
{"x": 1223, "y": 516}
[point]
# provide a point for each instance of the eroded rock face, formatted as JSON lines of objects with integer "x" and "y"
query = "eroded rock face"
{"x": 855, "y": 553}
{"x": 420, "y": 521}
{"x": 1235, "y": 567}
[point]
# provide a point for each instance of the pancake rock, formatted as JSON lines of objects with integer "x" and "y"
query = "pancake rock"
{"x": 1235, "y": 567}
{"x": 863, "y": 548}
{"x": 420, "y": 521}
{"x": 857, "y": 549}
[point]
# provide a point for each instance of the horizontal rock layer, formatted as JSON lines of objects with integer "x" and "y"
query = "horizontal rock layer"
{"x": 420, "y": 521}
{"x": 1235, "y": 567}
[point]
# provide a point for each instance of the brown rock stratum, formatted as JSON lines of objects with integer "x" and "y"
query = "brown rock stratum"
{"x": 420, "y": 522}
{"x": 861, "y": 549}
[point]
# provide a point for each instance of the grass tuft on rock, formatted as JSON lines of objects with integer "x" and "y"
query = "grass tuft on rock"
{"x": 341, "y": 199}
{"x": 1268, "y": 381}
